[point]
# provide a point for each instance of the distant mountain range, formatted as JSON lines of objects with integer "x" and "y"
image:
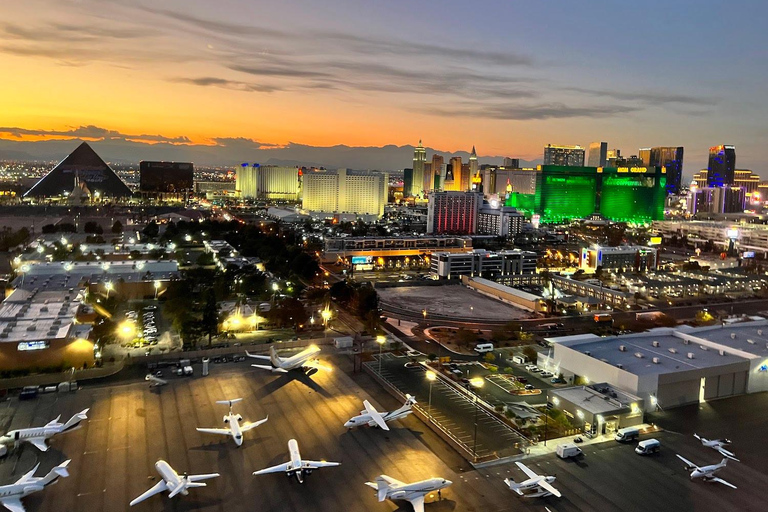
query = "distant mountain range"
{"x": 232, "y": 152}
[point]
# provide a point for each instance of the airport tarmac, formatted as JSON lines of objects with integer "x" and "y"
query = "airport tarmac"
{"x": 132, "y": 426}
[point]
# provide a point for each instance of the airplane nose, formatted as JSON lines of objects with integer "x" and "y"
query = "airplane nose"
{"x": 447, "y": 482}
{"x": 348, "y": 424}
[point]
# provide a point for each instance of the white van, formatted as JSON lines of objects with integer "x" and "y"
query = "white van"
{"x": 519, "y": 359}
{"x": 482, "y": 348}
{"x": 648, "y": 446}
{"x": 567, "y": 450}
{"x": 627, "y": 434}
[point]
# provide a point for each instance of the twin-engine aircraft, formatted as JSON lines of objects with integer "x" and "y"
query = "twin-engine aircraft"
{"x": 10, "y": 495}
{"x": 706, "y": 473}
{"x": 304, "y": 361}
{"x": 173, "y": 483}
{"x": 537, "y": 486}
{"x": 37, "y": 436}
{"x": 373, "y": 418}
{"x": 232, "y": 422}
{"x": 389, "y": 488}
{"x": 296, "y": 466}
{"x": 717, "y": 444}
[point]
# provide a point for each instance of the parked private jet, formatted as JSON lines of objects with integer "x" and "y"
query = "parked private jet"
{"x": 296, "y": 466}
{"x": 717, "y": 444}
{"x": 155, "y": 381}
{"x": 373, "y": 418}
{"x": 173, "y": 483}
{"x": 304, "y": 360}
{"x": 389, "y": 488}
{"x": 540, "y": 484}
{"x": 10, "y": 495}
{"x": 706, "y": 473}
{"x": 38, "y": 435}
{"x": 232, "y": 422}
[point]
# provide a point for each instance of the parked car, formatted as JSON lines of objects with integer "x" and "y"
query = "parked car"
{"x": 522, "y": 380}
{"x": 546, "y": 374}
{"x": 557, "y": 380}
{"x": 530, "y": 387}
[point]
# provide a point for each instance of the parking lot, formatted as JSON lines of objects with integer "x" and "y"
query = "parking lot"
{"x": 450, "y": 301}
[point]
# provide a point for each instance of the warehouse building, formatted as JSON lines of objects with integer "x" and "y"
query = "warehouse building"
{"x": 597, "y": 408}
{"x": 670, "y": 367}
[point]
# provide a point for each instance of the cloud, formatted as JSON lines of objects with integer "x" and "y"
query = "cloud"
{"x": 236, "y": 85}
{"x": 655, "y": 98}
{"x": 510, "y": 112}
{"x": 90, "y": 132}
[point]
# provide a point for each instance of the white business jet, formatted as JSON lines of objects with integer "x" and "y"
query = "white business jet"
{"x": 717, "y": 444}
{"x": 706, "y": 473}
{"x": 304, "y": 360}
{"x": 373, "y": 418}
{"x": 296, "y": 466}
{"x": 389, "y": 488}
{"x": 541, "y": 485}
{"x": 155, "y": 381}
{"x": 38, "y": 435}
{"x": 11, "y": 494}
{"x": 173, "y": 483}
{"x": 232, "y": 422}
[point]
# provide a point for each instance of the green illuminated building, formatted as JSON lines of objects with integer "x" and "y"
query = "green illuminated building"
{"x": 622, "y": 194}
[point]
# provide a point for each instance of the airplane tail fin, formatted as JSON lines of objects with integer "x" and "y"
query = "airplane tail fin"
{"x": 75, "y": 420}
{"x": 55, "y": 473}
{"x": 273, "y": 356}
{"x": 382, "y": 486}
{"x": 514, "y": 486}
{"x": 410, "y": 400}
{"x": 697, "y": 436}
{"x": 724, "y": 462}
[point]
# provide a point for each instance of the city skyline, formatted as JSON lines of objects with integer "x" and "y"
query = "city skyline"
{"x": 266, "y": 77}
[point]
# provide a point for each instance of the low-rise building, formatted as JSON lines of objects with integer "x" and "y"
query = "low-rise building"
{"x": 482, "y": 263}
{"x": 597, "y": 408}
{"x": 345, "y": 248}
{"x": 503, "y": 221}
{"x": 623, "y": 258}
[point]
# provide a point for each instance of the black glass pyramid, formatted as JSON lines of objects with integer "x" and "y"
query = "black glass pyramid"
{"x": 89, "y": 167}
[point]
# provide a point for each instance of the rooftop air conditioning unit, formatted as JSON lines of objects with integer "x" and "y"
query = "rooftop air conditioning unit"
{"x": 31, "y": 328}
{"x": 702, "y": 347}
{"x": 656, "y": 360}
{"x": 759, "y": 332}
{"x": 722, "y": 352}
{"x": 733, "y": 335}
{"x": 751, "y": 342}
{"x": 587, "y": 352}
{"x": 690, "y": 355}
{"x": 619, "y": 365}
{"x": 686, "y": 342}
{"x": 622, "y": 348}
{"x": 656, "y": 344}
{"x": 672, "y": 351}
{"x": 639, "y": 355}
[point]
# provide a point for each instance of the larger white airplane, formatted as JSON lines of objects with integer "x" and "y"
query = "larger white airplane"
{"x": 155, "y": 381}
{"x": 717, "y": 444}
{"x": 541, "y": 485}
{"x": 10, "y": 495}
{"x": 390, "y": 488}
{"x": 373, "y": 418}
{"x": 706, "y": 473}
{"x": 232, "y": 422}
{"x": 173, "y": 483}
{"x": 304, "y": 360}
{"x": 37, "y": 436}
{"x": 296, "y": 466}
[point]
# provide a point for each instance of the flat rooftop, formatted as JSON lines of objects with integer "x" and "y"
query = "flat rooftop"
{"x": 68, "y": 274}
{"x": 597, "y": 398}
{"x": 750, "y": 337}
{"x": 31, "y": 316}
{"x": 636, "y": 353}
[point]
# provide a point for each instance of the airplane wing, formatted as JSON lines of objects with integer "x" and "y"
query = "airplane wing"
{"x": 394, "y": 482}
{"x": 280, "y": 468}
{"x": 728, "y": 454}
{"x": 157, "y": 488}
{"x": 721, "y": 481}
{"x": 316, "y": 464}
{"x": 689, "y": 463}
{"x": 26, "y": 477}
{"x": 314, "y": 363}
{"x": 222, "y": 431}
{"x": 549, "y": 488}
{"x": 12, "y": 504}
{"x": 198, "y": 478}
{"x": 256, "y": 356}
{"x": 270, "y": 368}
{"x": 245, "y": 427}
{"x": 417, "y": 503}
{"x": 38, "y": 443}
{"x": 528, "y": 471}
{"x": 375, "y": 415}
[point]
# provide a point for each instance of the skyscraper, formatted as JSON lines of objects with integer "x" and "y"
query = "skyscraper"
{"x": 598, "y": 153}
{"x": 419, "y": 158}
{"x": 453, "y": 212}
{"x": 455, "y": 183}
{"x": 431, "y": 182}
{"x": 511, "y": 163}
{"x": 645, "y": 155}
{"x": 571, "y": 156}
{"x": 473, "y": 162}
{"x": 346, "y": 191}
{"x": 672, "y": 159}
{"x": 722, "y": 163}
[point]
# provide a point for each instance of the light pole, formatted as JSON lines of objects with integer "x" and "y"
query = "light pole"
{"x": 326, "y": 314}
{"x": 157, "y": 287}
{"x": 424, "y": 312}
{"x": 431, "y": 376}
{"x": 108, "y": 285}
{"x": 477, "y": 382}
{"x": 381, "y": 340}
{"x": 275, "y": 287}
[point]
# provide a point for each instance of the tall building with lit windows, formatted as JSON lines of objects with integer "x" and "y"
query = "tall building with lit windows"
{"x": 269, "y": 182}
{"x": 570, "y": 156}
{"x": 453, "y": 212}
{"x": 722, "y": 164}
{"x": 598, "y": 154}
{"x": 419, "y": 159}
{"x": 346, "y": 191}
{"x": 671, "y": 158}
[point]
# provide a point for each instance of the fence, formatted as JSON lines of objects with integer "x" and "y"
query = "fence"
{"x": 49, "y": 379}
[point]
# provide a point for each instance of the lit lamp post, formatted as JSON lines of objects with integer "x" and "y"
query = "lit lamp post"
{"x": 108, "y": 285}
{"x": 275, "y": 287}
{"x": 381, "y": 340}
{"x": 326, "y": 314}
{"x": 431, "y": 376}
{"x": 424, "y": 312}
{"x": 157, "y": 287}
{"x": 476, "y": 383}
{"x": 127, "y": 330}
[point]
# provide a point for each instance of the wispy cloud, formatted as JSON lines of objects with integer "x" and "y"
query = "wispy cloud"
{"x": 655, "y": 98}
{"x": 90, "y": 132}
{"x": 519, "y": 112}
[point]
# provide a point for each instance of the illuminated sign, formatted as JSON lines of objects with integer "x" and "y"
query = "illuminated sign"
{"x": 26, "y": 346}
{"x": 361, "y": 260}
{"x": 748, "y": 254}
{"x": 763, "y": 368}
{"x": 655, "y": 240}
{"x": 732, "y": 233}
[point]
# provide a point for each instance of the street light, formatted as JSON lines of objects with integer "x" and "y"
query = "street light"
{"x": 431, "y": 376}
{"x": 157, "y": 287}
{"x": 108, "y": 285}
{"x": 275, "y": 287}
{"x": 127, "y": 329}
{"x": 476, "y": 382}
{"x": 424, "y": 312}
{"x": 381, "y": 340}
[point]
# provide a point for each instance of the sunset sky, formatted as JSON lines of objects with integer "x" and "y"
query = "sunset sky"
{"x": 506, "y": 76}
